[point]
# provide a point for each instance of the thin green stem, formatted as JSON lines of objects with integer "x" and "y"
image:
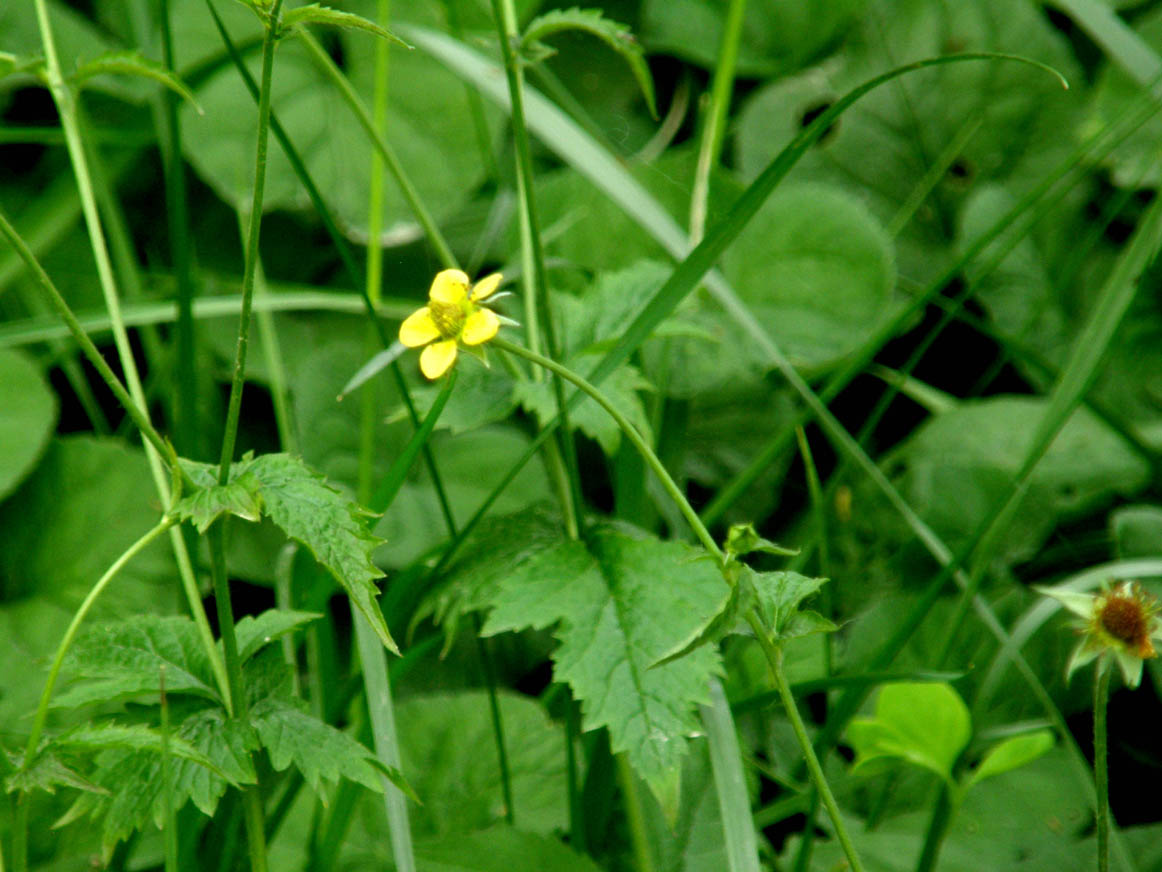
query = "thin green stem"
{"x": 489, "y": 668}
{"x": 631, "y": 433}
{"x": 20, "y": 827}
{"x": 504, "y": 14}
{"x": 251, "y": 796}
{"x": 41, "y": 715}
{"x": 234, "y": 407}
{"x": 714, "y": 131}
{"x": 938, "y": 823}
{"x": 774, "y": 655}
{"x": 170, "y": 835}
{"x": 367, "y": 122}
{"x": 1101, "y": 693}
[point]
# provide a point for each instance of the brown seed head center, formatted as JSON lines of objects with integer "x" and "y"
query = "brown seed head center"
{"x": 1126, "y": 619}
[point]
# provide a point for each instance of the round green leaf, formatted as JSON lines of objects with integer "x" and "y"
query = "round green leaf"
{"x": 1012, "y": 754}
{"x": 28, "y": 410}
{"x": 817, "y": 271}
{"x": 926, "y": 724}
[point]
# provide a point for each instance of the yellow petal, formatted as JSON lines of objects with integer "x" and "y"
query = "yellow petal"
{"x": 449, "y": 286}
{"x": 480, "y": 327}
{"x": 437, "y": 358}
{"x": 486, "y": 287}
{"x": 419, "y": 329}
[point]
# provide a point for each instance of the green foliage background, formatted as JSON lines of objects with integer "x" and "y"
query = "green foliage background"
{"x": 962, "y": 265}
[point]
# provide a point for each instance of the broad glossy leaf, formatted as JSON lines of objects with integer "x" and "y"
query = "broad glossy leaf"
{"x": 501, "y": 849}
{"x": 926, "y": 724}
{"x": 1137, "y": 531}
{"x": 817, "y": 271}
{"x": 606, "y": 597}
{"x": 428, "y": 127}
{"x": 972, "y": 452}
{"x": 777, "y": 36}
{"x": 1006, "y": 118}
{"x": 449, "y": 756}
{"x": 28, "y": 410}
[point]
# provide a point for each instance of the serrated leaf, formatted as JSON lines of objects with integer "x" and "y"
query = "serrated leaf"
{"x": 617, "y": 36}
{"x": 133, "y": 63}
{"x": 328, "y": 17}
{"x": 330, "y": 524}
{"x": 318, "y": 750}
{"x": 495, "y": 550}
{"x": 732, "y": 619}
{"x": 239, "y": 497}
{"x": 777, "y": 598}
{"x": 123, "y": 659}
{"x": 310, "y": 511}
{"x": 47, "y": 772}
{"x": 253, "y": 633}
{"x": 622, "y": 600}
{"x": 134, "y": 737}
{"x": 926, "y": 724}
{"x": 1012, "y": 754}
{"x": 226, "y": 741}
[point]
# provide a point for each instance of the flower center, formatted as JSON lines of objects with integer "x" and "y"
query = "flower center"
{"x": 1124, "y": 618}
{"x": 449, "y": 318}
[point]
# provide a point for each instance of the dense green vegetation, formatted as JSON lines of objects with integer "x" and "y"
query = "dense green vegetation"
{"x": 669, "y": 436}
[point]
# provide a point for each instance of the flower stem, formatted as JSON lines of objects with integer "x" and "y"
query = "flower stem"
{"x": 631, "y": 433}
{"x": 504, "y": 13}
{"x": 774, "y": 655}
{"x": 1101, "y": 692}
{"x": 251, "y": 796}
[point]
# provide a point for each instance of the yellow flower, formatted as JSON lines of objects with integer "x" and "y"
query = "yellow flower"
{"x": 1121, "y": 620}
{"x": 453, "y": 316}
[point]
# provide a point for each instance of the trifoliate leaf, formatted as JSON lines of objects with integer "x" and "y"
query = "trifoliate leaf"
{"x": 328, "y": 17}
{"x": 124, "y": 659}
{"x": 134, "y": 63}
{"x": 617, "y": 36}
{"x": 319, "y": 751}
{"x": 621, "y": 601}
